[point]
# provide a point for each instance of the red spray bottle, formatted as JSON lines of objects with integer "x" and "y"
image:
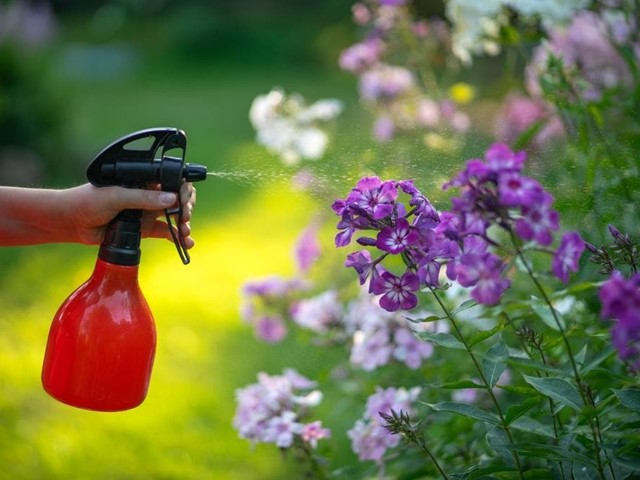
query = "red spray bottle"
{"x": 102, "y": 341}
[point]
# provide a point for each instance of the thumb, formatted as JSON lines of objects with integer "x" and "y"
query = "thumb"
{"x": 134, "y": 198}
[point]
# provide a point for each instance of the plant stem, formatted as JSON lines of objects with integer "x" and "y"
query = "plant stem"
{"x": 594, "y": 425}
{"x": 423, "y": 445}
{"x": 487, "y": 387}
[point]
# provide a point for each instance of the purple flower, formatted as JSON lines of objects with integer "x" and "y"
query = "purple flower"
{"x": 282, "y": 429}
{"x": 369, "y": 439}
{"x": 520, "y": 113}
{"x": 473, "y": 250}
{"x": 374, "y": 197}
{"x": 620, "y": 300}
{"x": 538, "y": 222}
{"x": 567, "y": 256}
{"x": 490, "y": 285}
{"x": 397, "y": 292}
{"x": 500, "y": 158}
{"x": 397, "y": 238}
{"x": 273, "y": 287}
{"x": 361, "y": 56}
{"x": 385, "y": 82}
{"x": 384, "y": 128}
{"x": 426, "y": 214}
{"x": 318, "y": 313}
{"x": 361, "y": 263}
{"x": 270, "y": 329}
{"x": 307, "y": 248}
{"x": 371, "y": 350}
{"x": 516, "y": 190}
{"x": 387, "y": 399}
{"x": 410, "y": 349}
{"x": 269, "y": 411}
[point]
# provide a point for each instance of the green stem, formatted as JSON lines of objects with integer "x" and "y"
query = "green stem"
{"x": 594, "y": 425}
{"x": 557, "y": 422}
{"x": 487, "y": 387}
{"x": 423, "y": 445}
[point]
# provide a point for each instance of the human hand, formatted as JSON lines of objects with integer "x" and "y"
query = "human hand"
{"x": 89, "y": 209}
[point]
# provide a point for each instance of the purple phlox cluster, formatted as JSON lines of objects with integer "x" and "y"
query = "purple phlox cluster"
{"x": 271, "y": 411}
{"x": 398, "y": 101}
{"x": 307, "y": 249}
{"x": 265, "y": 302}
{"x": 620, "y": 298}
{"x": 587, "y": 48}
{"x": 425, "y": 239}
{"x": 494, "y": 191}
{"x": 379, "y": 337}
{"x": 369, "y": 438}
{"x": 320, "y": 313}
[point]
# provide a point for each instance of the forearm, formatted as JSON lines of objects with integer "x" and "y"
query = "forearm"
{"x": 32, "y": 216}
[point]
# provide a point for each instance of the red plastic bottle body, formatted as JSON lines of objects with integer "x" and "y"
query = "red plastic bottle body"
{"x": 102, "y": 343}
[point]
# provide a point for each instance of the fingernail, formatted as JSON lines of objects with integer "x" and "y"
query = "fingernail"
{"x": 168, "y": 198}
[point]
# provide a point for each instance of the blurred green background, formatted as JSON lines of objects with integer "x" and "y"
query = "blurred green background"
{"x": 76, "y": 75}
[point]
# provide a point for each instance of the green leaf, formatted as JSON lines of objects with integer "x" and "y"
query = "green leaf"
{"x": 430, "y": 318}
{"x": 466, "y": 410}
{"x": 524, "y": 362}
{"x": 544, "y": 312}
{"x": 466, "y": 305}
{"x": 516, "y": 411}
{"x": 476, "y": 472}
{"x": 495, "y": 362}
{"x": 552, "y": 453}
{"x": 530, "y": 425}
{"x": 498, "y": 440}
{"x": 629, "y": 397}
{"x": 597, "y": 360}
{"x": 460, "y": 384}
{"x": 577, "y": 288}
{"x": 443, "y": 339}
{"x": 558, "y": 389}
{"x": 482, "y": 335}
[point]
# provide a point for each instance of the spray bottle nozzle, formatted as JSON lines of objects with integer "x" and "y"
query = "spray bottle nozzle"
{"x": 133, "y": 161}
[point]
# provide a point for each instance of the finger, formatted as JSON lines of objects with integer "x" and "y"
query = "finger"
{"x": 132, "y": 198}
{"x": 158, "y": 229}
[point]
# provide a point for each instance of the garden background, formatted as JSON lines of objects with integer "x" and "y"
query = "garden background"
{"x": 111, "y": 68}
{"x": 74, "y": 76}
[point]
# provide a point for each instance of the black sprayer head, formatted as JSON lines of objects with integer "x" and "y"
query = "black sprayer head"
{"x": 138, "y": 160}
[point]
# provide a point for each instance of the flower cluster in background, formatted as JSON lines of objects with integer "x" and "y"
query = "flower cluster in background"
{"x": 404, "y": 100}
{"x": 477, "y": 24}
{"x": 289, "y": 127}
{"x": 273, "y": 410}
{"x": 370, "y": 439}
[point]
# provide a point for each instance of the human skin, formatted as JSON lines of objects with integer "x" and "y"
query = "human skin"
{"x": 33, "y": 216}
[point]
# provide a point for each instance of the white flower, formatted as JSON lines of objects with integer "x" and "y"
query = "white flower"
{"x": 476, "y": 23}
{"x": 289, "y": 128}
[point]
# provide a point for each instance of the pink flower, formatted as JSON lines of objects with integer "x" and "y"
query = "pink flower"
{"x": 312, "y": 432}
